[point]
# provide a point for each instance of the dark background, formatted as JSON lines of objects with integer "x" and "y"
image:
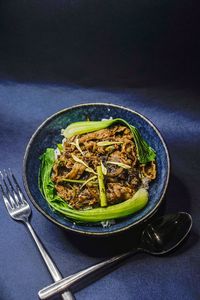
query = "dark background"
{"x": 142, "y": 54}
{"x": 131, "y": 43}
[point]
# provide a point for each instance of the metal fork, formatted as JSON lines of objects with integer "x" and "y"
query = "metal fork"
{"x": 19, "y": 209}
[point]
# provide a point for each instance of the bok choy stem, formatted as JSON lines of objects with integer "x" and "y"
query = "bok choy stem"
{"x": 102, "y": 190}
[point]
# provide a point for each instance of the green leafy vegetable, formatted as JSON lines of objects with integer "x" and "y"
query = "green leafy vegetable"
{"x": 45, "y": 184}
{"x": 144, "y": 152}
{"x": 102, "y": 190}
{"x": 60, "y": 147}
{"x": 137, "y": 202}
{"x": 85, "y": 127}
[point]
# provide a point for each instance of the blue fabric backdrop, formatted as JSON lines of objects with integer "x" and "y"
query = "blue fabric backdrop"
{"x": 105, "y": 42}
{"x": 140, "y": 54}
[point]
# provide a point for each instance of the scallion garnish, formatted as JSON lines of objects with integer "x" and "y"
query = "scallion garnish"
{"x": 108, "y": 143}
{"x": 104, "y": 170}
{"x": 76, "y": 144}
{"x": 124, "y": 166}
{"x": 80, "y": 161}
{"x": 72, "y": 180}
{"x": 102, "y": 189}
{"x": 86, "y": 181}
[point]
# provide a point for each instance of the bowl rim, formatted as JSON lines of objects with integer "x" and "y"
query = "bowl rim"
{"x": 71, "y": 229}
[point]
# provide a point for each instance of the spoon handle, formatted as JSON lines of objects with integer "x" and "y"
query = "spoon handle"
{"x": 67, "y": 282}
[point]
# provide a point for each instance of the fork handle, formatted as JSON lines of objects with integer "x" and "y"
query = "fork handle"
{"x": 56, "y": 275}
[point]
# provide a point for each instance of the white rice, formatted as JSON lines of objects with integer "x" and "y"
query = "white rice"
{"x": 107, "y": 223}
{"x": 57, "y": 153}
{"x": 145, "y": 183}
{"x": 111, "y": 118}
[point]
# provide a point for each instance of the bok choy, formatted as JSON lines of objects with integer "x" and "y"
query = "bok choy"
{"x": 123, "y": 209}
{"x": 144, "y": 152}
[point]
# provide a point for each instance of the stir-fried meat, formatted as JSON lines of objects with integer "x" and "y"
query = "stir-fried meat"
{"x": 114, "y": 171}
{"x": 63, "y": 172}
{"x": 119, "y": 156}
{"x": 88, "y": 197}
{"x": 97, "y": 135}
{"x": 118, "y": 191}
{"x": 149, "y": 170}
{"x": 75, "y": 170}
{"x": 90, "y": 146}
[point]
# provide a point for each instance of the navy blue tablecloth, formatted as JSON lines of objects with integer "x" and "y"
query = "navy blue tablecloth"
{"x": 176, "y": 112}
{"x": 141, "y": 54}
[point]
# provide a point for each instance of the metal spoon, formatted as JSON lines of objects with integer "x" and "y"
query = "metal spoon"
{"x": 161, "y": 236}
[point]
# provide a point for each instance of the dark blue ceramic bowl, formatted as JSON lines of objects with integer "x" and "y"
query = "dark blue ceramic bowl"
{"x": 48, "y": 135}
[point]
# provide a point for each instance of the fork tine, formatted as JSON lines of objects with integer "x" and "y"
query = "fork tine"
{"x": 3, "y": 179}
{"x": 14, "y": 192}
{"x": 6, "y": 201}
{"x": 20, "y": 193}
{"x": 15, "y": 180}
{"x": 10, "y": 192}
{"x": 9, "y": 181}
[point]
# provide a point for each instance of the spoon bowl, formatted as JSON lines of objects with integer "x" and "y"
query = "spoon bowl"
{"x": 159, "y": 237}
{"x": 165, "y": 233}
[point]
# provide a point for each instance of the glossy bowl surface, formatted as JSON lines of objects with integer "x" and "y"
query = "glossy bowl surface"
{"x": 48, "y": 135}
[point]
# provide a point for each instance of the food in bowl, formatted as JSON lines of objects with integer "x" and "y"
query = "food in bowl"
{"x": 100, "y": 172}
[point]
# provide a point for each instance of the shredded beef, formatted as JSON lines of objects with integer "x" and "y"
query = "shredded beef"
{"x": 120, "y": 183}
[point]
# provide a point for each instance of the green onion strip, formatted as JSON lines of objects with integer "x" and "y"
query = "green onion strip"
{"x": 102, "y": 190}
